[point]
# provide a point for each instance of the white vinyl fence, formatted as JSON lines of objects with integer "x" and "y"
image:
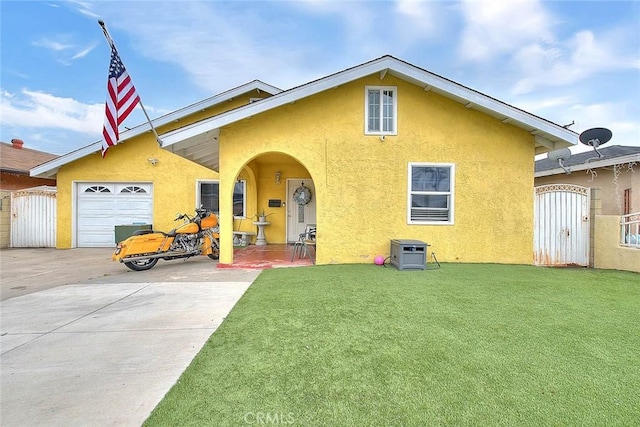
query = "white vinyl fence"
{"x": 33, "y": 218}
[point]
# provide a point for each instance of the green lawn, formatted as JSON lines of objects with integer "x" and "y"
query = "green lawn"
{"x": 364, "y": 345}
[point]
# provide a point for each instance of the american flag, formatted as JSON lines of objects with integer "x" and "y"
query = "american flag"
{"x": 121, "y": 100}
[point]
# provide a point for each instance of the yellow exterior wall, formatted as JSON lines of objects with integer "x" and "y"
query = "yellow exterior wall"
{"x": 361, "y": 182}
{"x": 608, "y": 252}
{"x": 173, "y": 177}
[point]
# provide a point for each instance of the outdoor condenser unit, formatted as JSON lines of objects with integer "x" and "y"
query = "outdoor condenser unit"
{"x": 408, "y": 254}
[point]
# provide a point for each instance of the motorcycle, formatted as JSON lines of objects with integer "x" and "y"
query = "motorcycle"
{"x": 199, "y": 235}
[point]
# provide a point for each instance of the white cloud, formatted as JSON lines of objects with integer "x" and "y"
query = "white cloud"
{"x": 418, "y": 20}
{"x": 83, "y": 52}
{"x": 356, "y": 15}
{"x": 84, "y": 8}
{"x": 542, "y": 105}
{"x": 614, "y": 116}
{"x": 54, "y": 45}
{"x": 579, "y": 58}
{"x": 218, "y": 50}
{"x": 55, "y": 124}
{"x": 34, "y": 109}
{"x": 64, "y": 52}
{"x": 493, "y": 28}
{"x": 219, "y": 45}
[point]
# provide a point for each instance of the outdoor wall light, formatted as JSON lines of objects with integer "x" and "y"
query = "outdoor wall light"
{"x": 152, "y": 160}
{"x": 278, "y": 174}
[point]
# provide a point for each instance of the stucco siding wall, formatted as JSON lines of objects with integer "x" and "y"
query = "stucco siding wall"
{"x": 361, "y": 182}
{"x": 174, "y": 181}
{"x": 612, "y": 186}
{"x": 608, "y": 252}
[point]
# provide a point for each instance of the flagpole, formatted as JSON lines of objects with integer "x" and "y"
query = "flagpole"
{"x": 113, "y": 46}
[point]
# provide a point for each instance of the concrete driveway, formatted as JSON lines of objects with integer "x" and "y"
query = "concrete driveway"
{"x": 85, "y": 341}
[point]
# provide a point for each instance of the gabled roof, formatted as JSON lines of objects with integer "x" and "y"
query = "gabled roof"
{"x": 51, "y": 168}
{"x": 21, "y": 160}
{"x": 189, "y": 139}
{"x": 616, "y": 154}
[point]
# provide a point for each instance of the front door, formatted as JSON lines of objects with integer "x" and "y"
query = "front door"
{"x": 299, "y": 211}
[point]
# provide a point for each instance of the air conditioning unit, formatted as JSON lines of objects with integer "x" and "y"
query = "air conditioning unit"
{"x": 408, "y": 254}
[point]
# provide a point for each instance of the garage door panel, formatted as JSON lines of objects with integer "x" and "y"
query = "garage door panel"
{"x": 133, "y": 207}
{"x": 96, "y": 239}
{"x": 103, "y": 206}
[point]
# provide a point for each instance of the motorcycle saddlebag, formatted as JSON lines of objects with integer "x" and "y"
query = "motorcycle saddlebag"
{"x": 143, "y": 244}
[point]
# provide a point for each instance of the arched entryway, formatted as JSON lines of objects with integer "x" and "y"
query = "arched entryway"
{"x": 282, "y": 188}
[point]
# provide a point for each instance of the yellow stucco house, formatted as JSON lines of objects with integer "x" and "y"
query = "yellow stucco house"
{"x": 386, "y": 150}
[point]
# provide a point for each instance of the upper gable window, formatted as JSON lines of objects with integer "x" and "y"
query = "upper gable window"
{"x": 381, "y": 107}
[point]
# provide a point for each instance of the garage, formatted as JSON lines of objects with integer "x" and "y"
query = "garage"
{"x": 103, "y": 205}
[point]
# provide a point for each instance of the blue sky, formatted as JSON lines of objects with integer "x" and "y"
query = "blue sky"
{"x": 563, "y": 60}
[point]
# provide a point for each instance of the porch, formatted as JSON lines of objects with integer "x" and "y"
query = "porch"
{"x": 267, "y": 256}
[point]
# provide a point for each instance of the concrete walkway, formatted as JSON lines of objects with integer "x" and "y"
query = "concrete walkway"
{"x": 104, "y": 351}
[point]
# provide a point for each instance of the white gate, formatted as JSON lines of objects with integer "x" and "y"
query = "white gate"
{"x": 561, "y": 231}
{"x": 33, "y": 218}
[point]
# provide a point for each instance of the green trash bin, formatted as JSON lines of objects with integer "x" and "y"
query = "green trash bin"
{"x": 123, "y": 232}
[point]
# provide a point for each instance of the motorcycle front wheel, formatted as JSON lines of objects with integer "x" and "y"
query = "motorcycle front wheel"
{"x": 141, "y": 265}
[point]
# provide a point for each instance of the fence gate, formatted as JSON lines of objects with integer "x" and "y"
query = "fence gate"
{"x": 561, "y": 231}
{"x": 33, "y": 218}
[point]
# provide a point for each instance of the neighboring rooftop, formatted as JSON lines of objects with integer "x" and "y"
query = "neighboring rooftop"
{"x": 16, "y": 158}
{"x": 590, "y": 160}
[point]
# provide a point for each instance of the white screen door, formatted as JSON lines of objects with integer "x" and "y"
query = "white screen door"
{"x": 298, "y": 216}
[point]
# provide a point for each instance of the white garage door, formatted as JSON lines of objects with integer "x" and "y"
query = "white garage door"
{"x": 103, "y": 205}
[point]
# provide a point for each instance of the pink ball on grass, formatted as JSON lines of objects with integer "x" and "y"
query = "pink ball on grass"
{"x": 378, "y": 260}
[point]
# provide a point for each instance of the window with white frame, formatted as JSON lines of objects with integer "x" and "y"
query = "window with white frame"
{"x": 381, "y": 107}
{"x": 240, "y": 199}
{"x": 431, "y": 191}
{"x": 209, "y": 197}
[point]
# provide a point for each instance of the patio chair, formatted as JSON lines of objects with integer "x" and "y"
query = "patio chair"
{"x": 305, "y": 242}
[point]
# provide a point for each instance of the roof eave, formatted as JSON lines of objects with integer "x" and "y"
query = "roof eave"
{"x": 504, "y": 112}
{"x": 50, "y": 168}
{"x": 598, "y": 163}
{"x": 14, "y": 171}
{"x": 549, "y": 136}
{"x": 256, "y": 85}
